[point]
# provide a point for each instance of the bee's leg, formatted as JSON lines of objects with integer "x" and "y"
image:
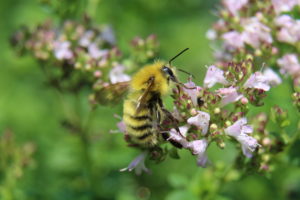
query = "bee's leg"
{"x": 169, "y": 115}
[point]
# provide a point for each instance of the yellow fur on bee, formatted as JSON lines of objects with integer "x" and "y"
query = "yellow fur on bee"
{"x": 140, "y": 79}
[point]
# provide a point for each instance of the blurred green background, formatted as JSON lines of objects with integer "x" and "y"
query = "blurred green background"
{"x": 59, "y": 171}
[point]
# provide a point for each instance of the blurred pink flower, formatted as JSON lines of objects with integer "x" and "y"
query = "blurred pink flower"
{"x": 234, "y": 5}
{"x": 289, "y": 64}
{"x": 229, "y": 95}
{"x": 116, "y": 74}
{"x": 201, "y": 120}
{"x": 284, "y": 5}
{"x": 256, "y": 32}
{"x": 198, "y": 147}
{"x": 86, "y": 38}
{"x": 258, "y": 81}
{"x": 271, "y": 76}
{"x": 62, "y": 50}
{"x": 95, "y": 52}
{"x": 233, "y": 40}
{"x": 289, "y": 29}
{"x": 249, "y": 144}
{"x": 214, "y": 75}
{"x": 138, "y": 164}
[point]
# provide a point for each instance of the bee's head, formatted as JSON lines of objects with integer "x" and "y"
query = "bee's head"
{"x": 167, "y": 71}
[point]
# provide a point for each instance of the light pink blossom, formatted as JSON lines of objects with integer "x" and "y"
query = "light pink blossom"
{"x": 198, "y": 147}
{"x": 214, "y": 75}
{"x": 258, "y": 81}
{"x": 240, "y": 130}
{"x": 234, "y": 5}
{"x": 201, "y": 120}
{"x": 95, "y": 52}
{"x": 289, "y": 29}
{"x": 117, "y": 74}
{"x": 229, "y": 95}
{"x": 62, "y": 50}
{"x": 284, "y": 5}
{"x": 192, "y": 93}
{"x": 289, "y": 64}
{"x": 138, "y": 164}
{"x": 272, "y": 78}
{"x": 233, "y": 40}
{"x": 256, "y": 32}
{"x": 86, "y": 38}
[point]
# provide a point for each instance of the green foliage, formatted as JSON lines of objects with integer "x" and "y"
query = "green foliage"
{"x": 61, "y": 165}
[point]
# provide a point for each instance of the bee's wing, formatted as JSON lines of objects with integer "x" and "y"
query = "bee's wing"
{"x": 142, "y": 99}
{"x": 112, "y": 94}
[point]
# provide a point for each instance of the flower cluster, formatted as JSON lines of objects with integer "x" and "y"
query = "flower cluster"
{"x": 79, "y": 54}
{"x": 268, "y": 30}
{"x": 206, "y": 115}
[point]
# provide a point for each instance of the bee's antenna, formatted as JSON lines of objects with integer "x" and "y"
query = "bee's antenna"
{"x": 181, "y": 52}
{"x": 188, "y": 73}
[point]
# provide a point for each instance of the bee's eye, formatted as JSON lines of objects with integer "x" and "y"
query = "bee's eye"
{"x": 168, "y": 71}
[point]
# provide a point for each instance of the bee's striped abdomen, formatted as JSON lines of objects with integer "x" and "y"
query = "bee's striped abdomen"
{"x": 139, "y": 126}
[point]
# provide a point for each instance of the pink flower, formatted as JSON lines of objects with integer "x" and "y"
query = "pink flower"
{"x": 234, "y": 5}
{"x": 117, "y": 74}
{"x": 256, "y": 32}
{"x": 62, "y": 50}
{"x": 201, "y": 120}
{"x": 138, "y": 164}
{"x": 86, "y": 38}
{"x": 272, "y": 78}
{"x": 95, "y": 52}
{"x": 233, "y": 40}
{"x": 198, "y": 147}
{"x": 214, "y": 75}
{"x": 284, "y": 5}
{"x": 192, "y": 93}
{"x": 249, "y": 144}
{"x": 258, "y": 81}
{"x": 240, "y": 130}
{"x": 108, "y": 35}
{"x": 290, "y": 29}
{"x": 229, "y": 95}
{"x": 289, "y": 64}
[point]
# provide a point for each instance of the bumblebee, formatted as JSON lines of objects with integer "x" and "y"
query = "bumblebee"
{"x": 143, "y": 109}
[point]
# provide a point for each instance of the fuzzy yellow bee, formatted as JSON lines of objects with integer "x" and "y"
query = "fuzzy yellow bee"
{"x": 143, "y": 109}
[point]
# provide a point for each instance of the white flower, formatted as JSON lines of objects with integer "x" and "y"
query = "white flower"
{"x": 229, "y": 95}
{"x": 272, "y": 78}
{"x": 117, "y": 74}
{"x": 198, "y": 147}
{"x": 214, "y": 75}
{"x": 289, "y": 64}
{"x": 86, "y": 38}
{"x": 138, "y": 164}
{"x": 284, "y": 5}
{"x": 233, "y": 40}
{"x": 234, "y": 5}
{"x": 201, "y": 120}
{"x": 62, "y": 50}
{"x": 258, "y": 81}
{"x": 192, "y": 93}
{"x": 256, "y": 32}
{"x": 240, "y": 130}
